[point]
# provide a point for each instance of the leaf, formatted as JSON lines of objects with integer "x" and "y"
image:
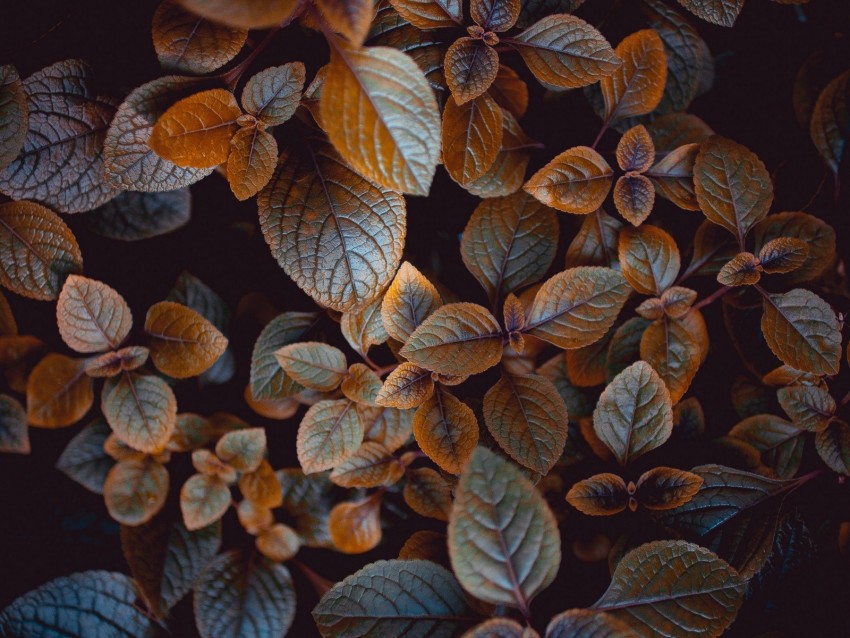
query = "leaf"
{"x": 810, "y": 408}
{"x": 306, "y": 498}
{"x": 672, "y": 176}
{"x": 189, "y": 44}
{"x": 409, "y": 300}
{"x": 673, "y": 130}
{"x": 595, "y": 244}
{"x": 428, "y": 494}
{"x": 279, "y": 543}
{"x": 635, "y": 150}
{"x": 364, "y": 327}
{"x": 830, "y": 123}
{"x": 494, "y": 15}
{"x": 14, "y": 437}
{"x": 196, "y": 131}
{"x": 252, "y": 161}
{"x": 37, "y": 250}
{"x": 141, "y": 410}
{"x": 471, "y": 67}
{"x": 329, "y": 433}
{"x": 362, "y": 384}
{"x": 384, "y": 92}
{"x": 721, "y": 12}
{"x": 669, "y": 346}
{"x": 391, "y": 427}
{"x": 673, "y": 588}
{"x": 565, "y": 51}
{"x": 92, "y": 317}
{"x": 818, "y": 235}
{"x": 166, "y": 559}
{"x": 600, "y": 495}
{"x": 58, "y": 392}
{"x": 779, "y": 442}
{"x": 268, "y": 380}
{"x": 61, "y": 162}
{"x": 135, "y": 490}
{"x": 456, "y": 339}
{"x": 528, "y": 420}
{"x": 732, "y": 186}
{"x": 664, "y": 488}
{"x": 261, "y": 486}
{"x": 132, "y": 216}
{"x": 273, "y": 94}
{"x": 242, "y": 449}
{"x": 634, "y": 197}
{"x": 637, "y": 85}
{"x": 182, "y": 342}
{"x": 355, "y": 527}
{"x": 650, "y": 259}
{"x": 83, "y": 604}
{"x": 504, "y": 543}
{"x": 802, "y": 330}
{"x": 507, "y": 173}
{"x": 203, "y": 500}
{"x": 402, "y": 598}
{"x": 430, "y": 14}
{"x": 246, "y": 14}
{"x": 408, "y": 386}
{"x": 372, "y": 465}
{"x": 446, "y": 430}
{"x": 742, "y": 270}
{"x": 314, "y": 365}
{"x": 351, "y": 18}
{"x": 586, "y": 366}
{"x": 783, "y": 255}
{"x": 581, "y": 622}
{"x": 258, "y": 595}
{"x": 83, "y": 460}
{"x": 509, "y": 91}
{"x": 14, "y": 115}
{"x": 576, "y": 181}
{"x": 833, "y": 446}
{"x": 634, "y": 414}
{"x": 471, "y": 137}
{"x": 509, "y": 242}
{"x": 128, "y": 160}
{"x": 337, "y": 235}
{"x": 501, "y": 628}
{"x": 577, "y": 307}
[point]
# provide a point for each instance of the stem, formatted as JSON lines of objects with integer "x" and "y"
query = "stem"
{"x": 231, "y": 77}
{"x": 717, "y": 294}
{"x": 320, "y": 584}
{"x": 599, "y": 135}
{"x": 386, "y": 369}
{"x": 845, "y": 400}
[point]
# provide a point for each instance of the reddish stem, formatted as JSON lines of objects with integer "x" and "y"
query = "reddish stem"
{"x": 717, "y": 294}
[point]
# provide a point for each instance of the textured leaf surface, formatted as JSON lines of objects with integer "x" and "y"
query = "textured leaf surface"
{"x": 274, "y": 93}
{"x": 58, "y": 392}
{"x": 14, "y": 437}
{"x": 403, "y": 598}
{"x": 565, "y": 51}
{"x": 408, "y": 386}
{"x": 456, "y": 339}
{"x": 507, "y": 173}
{"x": 131, "y": 216}
{"x": 595, "y": 243}
{"x": 409, "y": 300}
{"x": 337, "y": 235}
{"x": 577, "y": 307}
{"x": 94, "y": 604}
{"x": 673, "y": 589}
{"x": 721, "y": 12}
{"x": 329, "y": 433}
{"x": 315, "y": 365}
{"x": 830, "y": 124}
{"x": 587, "y": 623}
{"x": 84, "y": 460}
{"x": 528, "y": 420}
{"x": 637, "y": 85}
{"x": 576, "y": 181}
{"x": 268, "y": 380}
{"x": 833, "y": 446}
{"x": 600, "y": 495}
{"x": 446, "y": 429}
{"x": 37, "y": 250}
{"x": 364, "y": 327}
{"x": 673, "y": 176}
{"x": 509, "y": 242}
{"x": 503, "y": 539}
{"x": 141, "y": 410}
{"x": 471, "y": 67}
{"x": 664, "y": 488}
{"x": 182, "y": 342}
{"x": 252, "y": 161}
{"x": 258, "y": 595}
{"x": 494, "y": 15}
{"x": 649, "y": 258}
{"x": 372, "y": 465}
{"x": 471, "y": 136}
{"x": 669, "y": 346}
{"x": 92, "y": 317}
{"x": 779, "y": 442}
{"x": 818, "y": 235}
{"x": 810, "y": 408}
{"x": 61, "y": 162}
{"x": 14, "y": 114}
{"x": 634, "y": 414}
{"x": 382, "y": 117}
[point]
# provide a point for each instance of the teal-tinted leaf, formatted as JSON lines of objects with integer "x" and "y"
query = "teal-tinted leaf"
{"x": 720, "y": 12}
{"x": 268, "y": 380}
{"x": 307, "y": 499}
{"x": 329, "y": 433}
{"x": 809, "y": 407}
{"x": 833, "y": 446}
{"x": 84, "y": 460}
{"x": 780, "y": 442}
{"x": 14, "y": 436}
{"x": 830, "y": 125}
{"x": 132, "y": 216}
{"x": 555, "y": 369}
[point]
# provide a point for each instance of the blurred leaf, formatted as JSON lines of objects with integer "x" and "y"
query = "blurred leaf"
{"x": 58, "y": 392}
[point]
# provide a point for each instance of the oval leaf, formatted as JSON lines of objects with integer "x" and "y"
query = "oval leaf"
{"x": 183, "y": 343}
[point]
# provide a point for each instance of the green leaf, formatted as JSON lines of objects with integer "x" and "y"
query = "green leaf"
{"x": 509, "y": 242}
{"x": 634, "y": 414}
{"x": 732, "y": 186}
{"x": 577, "y": 307}
{"x": 528, "y": 420}
{"x": 400, "y": 598}
{"x": 141, "y": 410}
{"x": 84, "y": 605}
{"x": 504, "y": 543}
{"x": 337, "y": 235}
{"x": 673, "y": 589}
{"x": 257, "y": 594}
{"x": 396, "y": 142}
{"x": 314, "y": 365}
{"x": 268, "y": 380}
{"x": 802, "y": 330}
{"x": 329, "y": 433}
{"x": 456, "y": 339}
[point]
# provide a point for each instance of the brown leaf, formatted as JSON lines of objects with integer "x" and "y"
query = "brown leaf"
{"x": 261, "y": 486}
{"x": 242, "y": 449}
{"x": 678, "y": 301}
{"x": 576, "y": 181}
{"x": 58, "y": 392}
{"x": 356, "y": 527}
{"x": 673, "y": 176}
{"x": 721, "y": 12}
{"x": 196, "y": 131}
{"x": 408, "y": 386}
{"x": 600, "y": 495}
{"x": 829, "y": 126}
{"x": 187, "y": 43}
{"x": 596, "y": 242}
{"x": 587, "y": 366}
{"x": 635, "y": 151}
{"x": 472, "y": 137}
{"x": 372, "y": 465}
{"x": 742, "y": 270}
{"x": 183, "y": 343}
{"x": 92, "y": 317}
{"x": 37, "y": 250}
{"x": 507, "y": 173}
{"x": 663, "y": 488}
{"x": 674, "y": 352}
{"x": 634, "y": 197}
{"x": 430, "y": 14}
{"x": 329, "y": 433}
{"x": 810, "y": 408}
{"x": 14, "y": 115}
{"x": 494, "y": 15}
{"x": 315, "y": 365}
{"x": 247, "y": 14}
{"x": 636, "y": 86}
{"x": 279, "y": 543}
{"x": 470, "y": 67}
{"x": 565, "y": 51}
{"x": 833, "y": 446}
{"x": 351, "y": 18}
{"x": 783, "y": 255}
{"x": 649, "y": 258}
{"x": 252, "y": 161}
{"x": 361, "y": 385}
{"x": 428, "y": 494}
{"x": 14, "y": 436}
{"x": 135, "y": 491}
{"x": 409, "y": 300}
{"x": 818, "y": 235}
{"x": 510, "y": 91}
{"x": 141, "y": 410}
{"x": 273, "y": 95}
{"x": 203, "y": 500}
{"x": 446, "y": 430}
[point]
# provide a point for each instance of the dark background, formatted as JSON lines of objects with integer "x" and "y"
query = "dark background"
{"x": 50, "y": 526}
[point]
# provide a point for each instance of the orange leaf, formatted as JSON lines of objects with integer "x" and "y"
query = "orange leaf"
{"x": 599, "y": 495}
{"x": 248, "y": 14}
{"x": 183, "y": 343}
{"x": 576, "y": 181}
{"x": 135, "y": 491}
{"x": 741, "y": 270}
{"x": 509, "y": 91}
{"x": 430, "y": 14}
{"x": 408, "y": 386}
{"x": 635, "y": 151}
{"x": 58, "y": 392}
{"x": 92, "y": 317}
{"x": 636, "y": 87}
{"x": 252, "y": 161}
{"x": 470, "y": 67}
{"x": 351, "y": 18}
{"x": 446, "y": 429}
{"x": 356, "y": 527}
{"x": 409, "y": 300}
{"x": 649, "y": 258}
{"x": 634, "y": 197}
{"x": 472, "y": 137}
{"x": 494, "y": 15}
